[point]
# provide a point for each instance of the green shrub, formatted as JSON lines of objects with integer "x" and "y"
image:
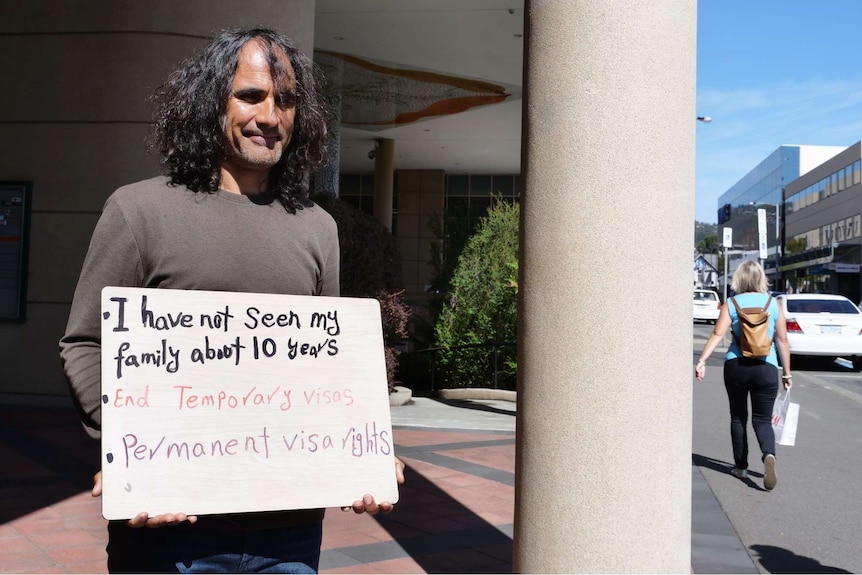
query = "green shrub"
{"x": 482, "y": 305}
{"x": 371, "y": 267}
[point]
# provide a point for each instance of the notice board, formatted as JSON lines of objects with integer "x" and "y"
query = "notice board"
{"x": 14, "y": 233}
{"x": 225, "y": 402}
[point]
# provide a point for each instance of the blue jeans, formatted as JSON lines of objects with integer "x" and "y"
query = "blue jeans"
{"x": 189, "y": 549}
{"x": 744, "y": 377}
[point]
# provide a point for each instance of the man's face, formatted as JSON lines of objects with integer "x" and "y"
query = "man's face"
{"x": 259, "y": 118}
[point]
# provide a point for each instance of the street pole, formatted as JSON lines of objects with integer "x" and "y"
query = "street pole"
{"x": 778, "y": 246}
{"x": 726, "y": 241}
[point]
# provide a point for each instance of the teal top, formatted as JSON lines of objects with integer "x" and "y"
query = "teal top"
{"x": 752, "y": 299}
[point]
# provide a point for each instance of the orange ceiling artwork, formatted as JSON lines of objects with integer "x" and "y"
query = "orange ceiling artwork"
{"x": 376, "y": 96}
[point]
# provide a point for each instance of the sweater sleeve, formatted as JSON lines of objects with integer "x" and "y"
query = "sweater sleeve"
{"x": 113, "y": 259}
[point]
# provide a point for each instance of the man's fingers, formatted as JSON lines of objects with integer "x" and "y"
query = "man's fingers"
{"x": 385, "y": 507}
{"x": 399, "y": 470}
{"x": 139, "y": 520}
{"x": 97, "y": 484}
{"x": 165, "y": 520}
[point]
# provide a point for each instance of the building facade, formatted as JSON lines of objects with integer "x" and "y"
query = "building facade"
{"x": 823, "y": 227}
{"x": 764, "y": 188}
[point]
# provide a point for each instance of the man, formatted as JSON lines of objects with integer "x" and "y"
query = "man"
{"x": 238, "y": 127}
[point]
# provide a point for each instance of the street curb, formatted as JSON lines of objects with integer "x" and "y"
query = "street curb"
{"x": 478, "y": 393}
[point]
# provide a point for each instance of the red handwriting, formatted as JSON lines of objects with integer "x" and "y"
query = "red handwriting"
{"x": 224, "y": 400}
{"x": 122, "y": 400}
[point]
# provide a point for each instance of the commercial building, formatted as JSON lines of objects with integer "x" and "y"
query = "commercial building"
{"x": 763, "y": 188}
{"x": 823, "y": 227}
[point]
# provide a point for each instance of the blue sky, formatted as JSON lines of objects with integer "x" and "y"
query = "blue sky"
{"x": 772, "y": 72}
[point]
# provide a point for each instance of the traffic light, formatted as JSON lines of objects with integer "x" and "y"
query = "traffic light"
{"x": 723, "y": 213}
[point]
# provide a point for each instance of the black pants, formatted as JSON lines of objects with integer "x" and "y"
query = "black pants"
{"x": 744, "y": 377}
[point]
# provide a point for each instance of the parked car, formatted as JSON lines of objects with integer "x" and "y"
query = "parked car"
{"x": 823, "y": 325}
{"x": 706, "y": 305}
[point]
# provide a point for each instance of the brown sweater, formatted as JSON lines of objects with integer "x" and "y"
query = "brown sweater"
{"x": 154, "y": 235}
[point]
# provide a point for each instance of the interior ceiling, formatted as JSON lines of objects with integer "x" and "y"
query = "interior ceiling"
{"x": 461, "y": 53}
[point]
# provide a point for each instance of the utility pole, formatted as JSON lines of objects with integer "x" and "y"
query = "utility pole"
{"x": 727, "y": 241}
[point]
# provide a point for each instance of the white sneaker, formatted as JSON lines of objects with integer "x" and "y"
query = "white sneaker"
{"x": 739, "y": 473}
{"x": 769, "y": 476}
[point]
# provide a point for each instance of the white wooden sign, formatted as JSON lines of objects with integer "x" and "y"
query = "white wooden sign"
{"x": 223, "y": 402}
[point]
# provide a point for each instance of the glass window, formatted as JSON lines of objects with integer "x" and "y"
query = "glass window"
{"x": 840, "y": 179}
{"x": 504, "y": 186}
{"x": 833, "y": 184}
{"x": 457, "y": 185}
{"x": 456, "y": 206}
{"x": 366, "y": 184}
{"x": 354, "y": 201}
{"x": 842, "y": 306}
{"x": 857, "y": 171}
{"x": 480, "y": 186}
{"x": 479, "y": 207}
{"x": 349, "y": 185}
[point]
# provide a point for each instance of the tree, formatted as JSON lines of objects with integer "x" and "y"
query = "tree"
{"x": 481, "y": 307}
{"x": 703, "y": 229}
{"x": 371, "y": 267}
{"x": 708, "y": 245}
{"x": 796, "y": 245}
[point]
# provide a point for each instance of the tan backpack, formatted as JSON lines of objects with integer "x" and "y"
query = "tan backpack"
{"x": 754, "y": 330}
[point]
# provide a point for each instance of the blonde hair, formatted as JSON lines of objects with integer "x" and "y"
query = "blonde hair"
{"x": 749, "y": 277}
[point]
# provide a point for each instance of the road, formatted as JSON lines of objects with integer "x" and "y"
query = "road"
{"x": 811, "y": 522}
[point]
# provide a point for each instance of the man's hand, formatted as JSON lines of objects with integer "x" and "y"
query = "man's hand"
{"x": 143, "y": 519}
{"x": 97, "y": 484}
{"x": 367, "y": 503}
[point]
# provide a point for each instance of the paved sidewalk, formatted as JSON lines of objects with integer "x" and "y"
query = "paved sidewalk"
{"x": 455, "y": 514}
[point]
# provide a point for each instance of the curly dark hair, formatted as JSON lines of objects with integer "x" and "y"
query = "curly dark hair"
{"x": 188, "y": 127}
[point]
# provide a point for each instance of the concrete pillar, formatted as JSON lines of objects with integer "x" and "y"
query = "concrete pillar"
{"x": 603, "y": 470}
{"x": 384, "y": 179}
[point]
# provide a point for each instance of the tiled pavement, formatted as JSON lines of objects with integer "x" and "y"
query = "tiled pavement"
{"x": 455, "y": 514}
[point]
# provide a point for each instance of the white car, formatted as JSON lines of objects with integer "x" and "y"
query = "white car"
{"x": 823, "y": 325}
{"x": 706, "y": 305}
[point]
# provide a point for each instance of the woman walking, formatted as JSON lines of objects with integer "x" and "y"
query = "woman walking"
{"x": 750, "y": 376}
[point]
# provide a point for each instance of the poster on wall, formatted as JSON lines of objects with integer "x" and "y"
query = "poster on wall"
{"x": 14, "y": 224}
{"x": 227, "y": 402}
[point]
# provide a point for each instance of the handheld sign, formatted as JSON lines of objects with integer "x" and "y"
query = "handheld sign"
{"x": 225, "y": 402}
